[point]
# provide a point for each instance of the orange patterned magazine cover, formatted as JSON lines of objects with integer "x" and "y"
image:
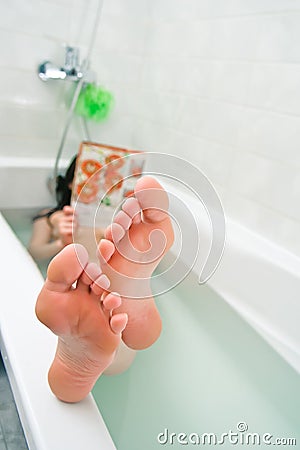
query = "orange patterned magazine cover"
{"x": 104, "y": 176}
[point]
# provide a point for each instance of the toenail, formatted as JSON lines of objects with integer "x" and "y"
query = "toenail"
{"x": 117, "y": 232}
{"x": 106, "y": 249}
{"x": 103, "y": 282}
{"x": 123, "y": 219}
{"x": 137, "y": 219}
{"x": 131, "y": 207}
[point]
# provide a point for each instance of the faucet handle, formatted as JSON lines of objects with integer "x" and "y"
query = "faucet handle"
{"x": 72, "y": 66}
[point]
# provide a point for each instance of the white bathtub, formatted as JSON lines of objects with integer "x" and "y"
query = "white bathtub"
{"x": 259, "y": 280}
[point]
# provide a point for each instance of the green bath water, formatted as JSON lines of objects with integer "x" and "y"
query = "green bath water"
{"x": 208, "y": 372}
{"x": 20, "y": 220}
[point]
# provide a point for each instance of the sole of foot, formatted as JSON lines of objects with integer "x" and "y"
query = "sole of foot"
{"x": 75, "y": 305}
{"x": 134, "y": 244}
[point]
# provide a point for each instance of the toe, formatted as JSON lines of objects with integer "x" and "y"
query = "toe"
{"x": 114, "y": 232}
{"x": 105, "y": 250}
{"x": 118, "y": 322}
{"x": 66, "y": 268}
{"x": 88, "y": 276}
{"x": 152, "y": 198}
{"x": 123, "y": 220}
{"x": 100, "y": 284}
{"x": 137, "y": 219}
{"x": 112, "y": 301}
{"x": 132, "y": 208}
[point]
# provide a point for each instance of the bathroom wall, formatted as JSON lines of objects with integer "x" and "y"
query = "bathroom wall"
{"x": 33, "y": 113}
{"x": 220, "y": 86}
{"x": 214, "y": 81}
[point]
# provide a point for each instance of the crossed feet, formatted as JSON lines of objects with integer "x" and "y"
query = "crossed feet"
{"x": 79, "y": 300}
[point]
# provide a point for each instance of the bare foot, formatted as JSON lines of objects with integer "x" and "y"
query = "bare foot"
{"x": 135, "y": 243}
{"x": 88, "y": 329}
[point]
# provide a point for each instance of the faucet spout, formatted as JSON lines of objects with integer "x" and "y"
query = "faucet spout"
{"x": 48, "y": 71}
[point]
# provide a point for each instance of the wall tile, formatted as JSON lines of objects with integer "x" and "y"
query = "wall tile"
{"x": 152, "y": 136}
{"x": 278, "y": 35}
{"x": 23, "y": 121}
{"x": 213, "y": 159}
{"x": 24, "y": 88}
{"x": 195, "y": 9}
{"x": 158, "y": 107}
{"x": 273, "y": 135}
{"x": 117, "y": 131}
{"x": 212, "y": 120}
{"x": 73, "y": 3}
{"x": 179, "y": 39}
{"x": 230, "y": 81}
{"x": 118, "y": 34}
{"x": 260, "y": 6}
{"x": 33, "y": 18}
{"x": 236, "y": 38}
{"x": 276, "y": 227}
{"x": 119, "y": 69}
{"x": 83, "y": 21}
{"x": 130, "y": 8}
{"x": 20, "y": 51}
{"x": 275, "y": 87}
{"x": 269, "y": 183}
{"x": 165, "y": 74}
{"x": 29, "y": 146}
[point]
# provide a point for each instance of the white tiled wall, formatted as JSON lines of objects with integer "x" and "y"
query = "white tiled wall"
{"x": 215, "y": 81}
{"x": 33, "y": 113}
{"x": 224, "y": 77}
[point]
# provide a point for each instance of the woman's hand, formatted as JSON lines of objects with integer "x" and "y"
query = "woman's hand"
{"x": 64, "y": 224}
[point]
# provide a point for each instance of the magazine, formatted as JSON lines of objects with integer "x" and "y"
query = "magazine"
{"x": 104, "y": 177}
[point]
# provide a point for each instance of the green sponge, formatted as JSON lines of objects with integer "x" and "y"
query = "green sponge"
{"x": 94, "y": 103}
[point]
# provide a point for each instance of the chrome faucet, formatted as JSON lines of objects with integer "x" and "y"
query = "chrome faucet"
{"x": 71, "y": 69}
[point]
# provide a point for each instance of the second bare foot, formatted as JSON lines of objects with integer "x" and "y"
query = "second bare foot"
{"x": 136, "y": 241}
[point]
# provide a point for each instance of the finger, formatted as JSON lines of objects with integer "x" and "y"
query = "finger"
{"x": 68, "y": 210}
